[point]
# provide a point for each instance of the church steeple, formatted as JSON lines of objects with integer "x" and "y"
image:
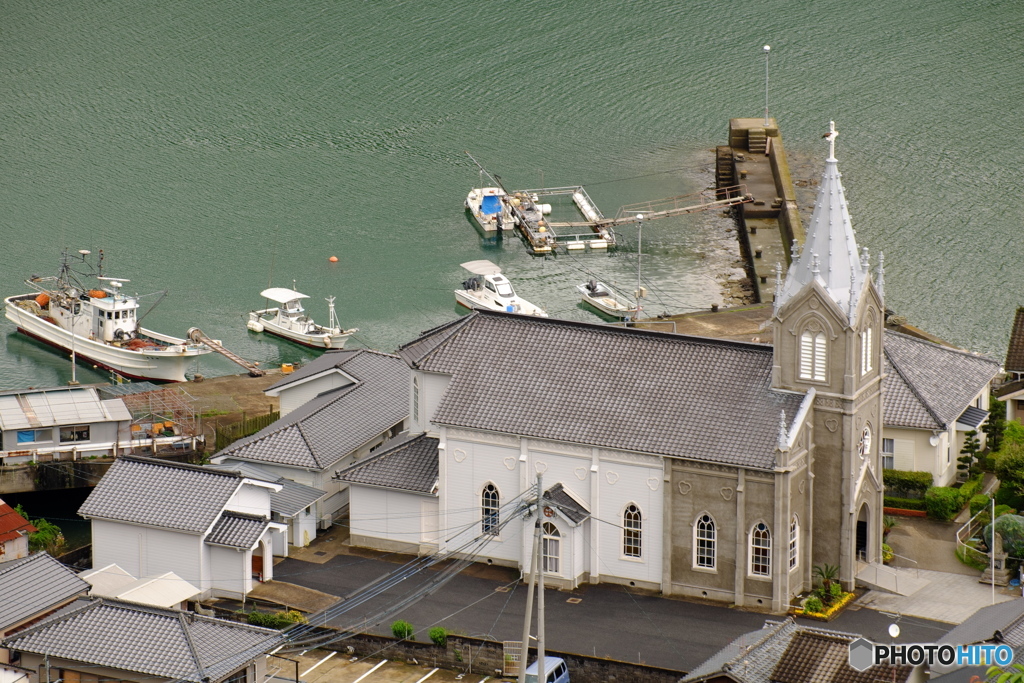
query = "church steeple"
{"x": 829, "y": 255}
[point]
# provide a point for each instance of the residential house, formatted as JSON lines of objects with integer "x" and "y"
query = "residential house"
{"x": 210, "y": 527}
{"x": 63, "y": 423}
{"x": 786, "y": 652}
{"x": 32, "y": 588}
{"x": 105, "y": 639}
{"x": 1012, "y": 389}
{"x": 998, "y": 624}
{"x": 934, "y": 395}
{"x": 702, "y": 467}
{"x": 294, "y": 505}
{"x": 14, "y": 531}
{"x": 336, "y": 410}
{"x": 166, "y": 590}
{"x": 13, "y": 674}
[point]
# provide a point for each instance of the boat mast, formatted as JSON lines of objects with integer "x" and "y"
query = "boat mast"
{"x": 333, "y": 322}
{"x": 639, "y": 260}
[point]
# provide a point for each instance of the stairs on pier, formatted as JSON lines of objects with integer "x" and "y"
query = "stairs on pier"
{"x": 757, "y": 140}
{"x": 196, "y": 335}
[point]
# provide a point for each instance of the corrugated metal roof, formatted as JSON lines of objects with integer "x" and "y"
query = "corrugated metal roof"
{"x": 64, "y": 406}
{"x": 167, "y": 643}
{"x": 690, "y": 397}
{"x": 161, "y": 493}
{"x": 34, "y": 585}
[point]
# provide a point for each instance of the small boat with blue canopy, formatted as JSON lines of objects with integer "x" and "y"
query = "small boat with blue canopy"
{"x": 490, "y": 209}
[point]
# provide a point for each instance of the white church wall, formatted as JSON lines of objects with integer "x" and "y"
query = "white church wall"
{"x": 638, "y": 480}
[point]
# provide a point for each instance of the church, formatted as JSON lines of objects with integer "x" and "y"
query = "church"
{"x": 689, "y": 465}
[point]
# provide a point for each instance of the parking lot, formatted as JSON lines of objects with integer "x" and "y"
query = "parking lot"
{"x": 322, "y": 666}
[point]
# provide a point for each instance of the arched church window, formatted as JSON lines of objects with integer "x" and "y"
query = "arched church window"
{"x": 552, "y": 551}
{"x": 794, "y": 542}
{"x": 489, "y": 504}
{"x": 761, "y": 550}
{"x": 631, "y": 531}
{"x": 865, "y": 351}
{"x": 812, "y": 355}
{"x": 704, "y": 542}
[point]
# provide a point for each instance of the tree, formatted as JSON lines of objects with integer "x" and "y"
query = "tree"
{"x": 47, "y": 537}
{"x": 1010, "y": 466}
{"x": 969, "y": 453}
{"x": 995, "y": 425}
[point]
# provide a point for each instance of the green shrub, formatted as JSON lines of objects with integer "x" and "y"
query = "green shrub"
{"x": 907, "y": 484}
{"x": 836, "y": 590}
{"x": 904, "y": 503}
{"x": 402, "y": 629}
{"x": 278, "y": 620}
{"x": 971, "y": 487}
{"x": 887, "y": 553}
{"x": 438, "y": 636}
{"x": 943, "y": 502}
{"x": 979, "y": 503}
{"x": 1006, "y": 495}
{"x": 813, "y": 604}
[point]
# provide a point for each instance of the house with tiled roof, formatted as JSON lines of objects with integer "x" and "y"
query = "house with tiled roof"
{"x": 210, "y": 527}
{"x": 786, "y": 652}
{"x": 934, "y": 395}
{"x": 123, "y": 641}
{"x": 14, "y": 531}
{"x": 694, "y": 466}
{"x": 341, "y": 407}
{"x": 32, "y": 588}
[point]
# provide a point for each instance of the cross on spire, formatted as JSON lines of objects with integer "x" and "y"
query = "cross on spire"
{"x": 831, "y": 136}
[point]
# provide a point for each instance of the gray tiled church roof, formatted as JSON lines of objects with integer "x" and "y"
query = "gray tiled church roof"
{"x": 33, "y": 585}
{"x": 237, "y": 530}
{"x": 407, "y": 463}
{"x": 675, "y": 395}
{"x": 570, "y": 507}
{"x": 161, "y": 493}
{"x": 164, "y": 643}
{"x": 293, "y": 497}
{"x": 324, "y": 430}
{"x": 928, "y": 386}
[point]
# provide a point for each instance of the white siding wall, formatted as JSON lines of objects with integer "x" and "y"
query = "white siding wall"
{"x": 143, "y": 551}
{"x": 231, "y": 571}
{"x": 293, "y": 397}
{"x": 621, "y": 483}
{"x": 431, "y": 389}
{"x": 250, "y": 500}
{"x": 391, "y": 516}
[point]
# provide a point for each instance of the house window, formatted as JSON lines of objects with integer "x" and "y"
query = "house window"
{"x": 552, "y": 548}
{"x": 761, "y": 550}
{"x": 865, "y": 351}
{"x": 74, "y": 434}
{"x": 631, "y": 531}
{"x": 35, "y": 435}
{"x": 704, "y": 536}
{"x": 794, "y": 541}
{"x": 489, "y": 504}
{"x": 812, "y": 356}
{"x": 888, "y": 453}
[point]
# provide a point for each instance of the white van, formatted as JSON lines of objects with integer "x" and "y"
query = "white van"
{"x": 558, "y": 672}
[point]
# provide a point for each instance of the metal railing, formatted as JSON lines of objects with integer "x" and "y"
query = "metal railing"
{"x": 967, "y": 532}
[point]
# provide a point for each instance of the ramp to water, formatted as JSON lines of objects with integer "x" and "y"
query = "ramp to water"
{"x": 196, "y": 335}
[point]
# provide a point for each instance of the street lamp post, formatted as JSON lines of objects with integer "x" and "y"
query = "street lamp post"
{"x": 767, "y": 49}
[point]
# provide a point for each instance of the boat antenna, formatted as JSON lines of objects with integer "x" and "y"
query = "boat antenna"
{"x": 483, "y": 171}
{"x": 333, "y": 322}
{"x": 639, "y": 260}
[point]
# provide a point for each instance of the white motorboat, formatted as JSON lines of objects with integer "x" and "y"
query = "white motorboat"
{"x": 99, "y": 324}
{"x": 490, "y": 209}
{"x": 607, "y": 300}
{"x": 289, "y": 320}
{"x": 489, "y": 289}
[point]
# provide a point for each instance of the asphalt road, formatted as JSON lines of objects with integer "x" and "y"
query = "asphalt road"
{"x": 608, "y": 621}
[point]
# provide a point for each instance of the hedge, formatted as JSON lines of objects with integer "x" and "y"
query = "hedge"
{"x": 907, "y": 482}
{"x": 943, "y": 502}
{"x": 979, "y": 503}
{"x": 904, "y": 503}
{"x": 971, "y": 487}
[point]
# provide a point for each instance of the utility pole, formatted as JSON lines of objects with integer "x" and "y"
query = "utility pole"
{"x": 524, "y": 658}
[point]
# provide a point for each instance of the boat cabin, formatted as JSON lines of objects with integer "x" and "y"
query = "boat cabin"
{"x": 115, "y": 317}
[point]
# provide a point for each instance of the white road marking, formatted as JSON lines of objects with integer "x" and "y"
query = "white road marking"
{"x": 382, "y": 663}
{"x": 428, "y": 676}
{"x": 306, "y": 672}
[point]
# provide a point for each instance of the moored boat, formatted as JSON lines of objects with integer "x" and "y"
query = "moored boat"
{"x": 289, "y": 320}
{"x": 489, "y": 289}
{"x": 607, "y": 300}
{"x": 489, "y": 208}
{"x": 98, "y": 323}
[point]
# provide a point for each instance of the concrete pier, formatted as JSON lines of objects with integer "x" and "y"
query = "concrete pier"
{"x": 767, "y": 226}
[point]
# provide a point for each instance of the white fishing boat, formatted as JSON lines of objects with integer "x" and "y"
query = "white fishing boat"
{"x": 99, "y": 323}
{"x": 289, "y": 320}
{"x": 490, "y": 209}
{"x": 607, "y": 300}
{"x": 489, "y": 289}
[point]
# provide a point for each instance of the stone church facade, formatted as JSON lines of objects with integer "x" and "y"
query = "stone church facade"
{"x": 694, "y": 466}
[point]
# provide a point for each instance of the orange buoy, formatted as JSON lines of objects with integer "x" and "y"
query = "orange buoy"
{"x": 43, "y": 299}
{"x": 333, "y": 259}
